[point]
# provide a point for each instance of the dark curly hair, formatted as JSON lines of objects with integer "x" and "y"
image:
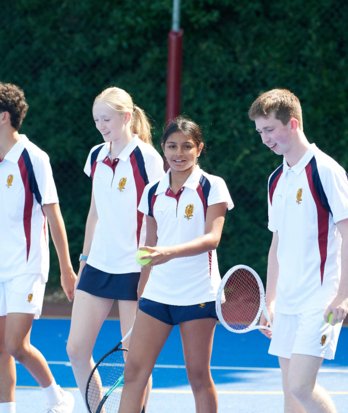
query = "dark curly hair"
{"x": 12, "y": 100}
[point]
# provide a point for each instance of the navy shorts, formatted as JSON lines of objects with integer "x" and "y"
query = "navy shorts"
{"x": 106, "y": 285}
{"x": 176, "y": 314}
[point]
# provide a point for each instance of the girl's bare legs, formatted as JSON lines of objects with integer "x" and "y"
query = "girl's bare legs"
{"x": 197, "y": 338}
{"x": 127, "y": 313}
{"x": 147, "y": 340}
{"x": 88, "y": 314}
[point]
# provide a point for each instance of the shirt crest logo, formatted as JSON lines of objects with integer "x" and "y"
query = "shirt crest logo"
{"x": 189, "y": 211}
{"x": 30, "y": 298}
{"x": 323, "y": 340}
{"x": 9, "y": 181}
{"x": 122, "y": 184}
{"x": 299, "y": 195}
{"x": 202, "y": 305}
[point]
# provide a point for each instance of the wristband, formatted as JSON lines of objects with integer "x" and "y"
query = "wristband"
{"x": 83, "y": 257}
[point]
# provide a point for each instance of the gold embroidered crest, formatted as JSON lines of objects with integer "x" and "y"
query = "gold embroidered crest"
{"x": 122, "y": 184}
{"x": 299, "y": 196}
{"x": 189, "y": 211}
{"x": 9, "y": 181}
{"x": 323, "y": 339}
{"x": 30, "y": 298}
{"x": 202, "y": 305}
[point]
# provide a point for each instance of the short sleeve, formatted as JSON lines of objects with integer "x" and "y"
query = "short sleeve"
{"x": 87, "y": 167}
{"x": 44, "y": 178}
{"x": 154, "y": 166}
{"x": 335, "y": 184}
{"x": 219, "y": 193}
{"x": 144, "y": 201}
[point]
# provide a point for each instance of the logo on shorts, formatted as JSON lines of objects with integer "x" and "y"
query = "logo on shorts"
{"x": 299, "y": 195}
{"x": 30, "y": 298}
{"x": 9, "y": 181}
{"x": 323, "y": 339}
{"x": 122, "y": 184}
{"x": 202, "y": 305}
{"x": 189, "y": 211}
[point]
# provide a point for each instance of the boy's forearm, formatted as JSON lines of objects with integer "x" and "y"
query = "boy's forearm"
{"x": 59, "y": 236}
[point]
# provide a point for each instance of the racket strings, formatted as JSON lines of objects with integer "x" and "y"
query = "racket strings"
{"x": 241, "y": 303}
{"x": 105, "y": 385}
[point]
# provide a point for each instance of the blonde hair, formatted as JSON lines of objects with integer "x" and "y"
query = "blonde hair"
{"x": 121, "y": 101}
{"x": 283, "y": 103}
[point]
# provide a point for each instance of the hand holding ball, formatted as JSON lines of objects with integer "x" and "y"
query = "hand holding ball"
{"x": 139, "y": 257}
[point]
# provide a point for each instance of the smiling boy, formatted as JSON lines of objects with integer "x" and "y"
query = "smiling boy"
{"x": 307, "y": 274}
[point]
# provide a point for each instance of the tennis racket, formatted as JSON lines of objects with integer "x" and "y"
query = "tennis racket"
{"x": 105, "y": 383}
{"x": 240, "y": 300}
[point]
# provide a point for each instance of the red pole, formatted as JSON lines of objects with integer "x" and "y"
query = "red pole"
{"x": 174, "y": 74}
{"x": 175, "y": 38}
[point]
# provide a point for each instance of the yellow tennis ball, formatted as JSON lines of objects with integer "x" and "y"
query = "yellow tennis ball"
{"x": 139, "y": 257}
{"x": 329, "y": 318}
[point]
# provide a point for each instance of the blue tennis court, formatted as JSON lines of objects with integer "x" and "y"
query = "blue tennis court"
{"x": 247, "y": 378}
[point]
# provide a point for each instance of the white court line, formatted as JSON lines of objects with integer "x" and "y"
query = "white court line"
{"x": 242, "y": 392}
{"x": 223, "y": 368}
{"x": 189, "y": 392}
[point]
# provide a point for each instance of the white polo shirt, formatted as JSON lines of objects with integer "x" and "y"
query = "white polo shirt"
{"x": 305, "y": 202}
{"x": 119, "y": 229}
{"x": 26, "y": 185}
{"x": 187, "y": 280}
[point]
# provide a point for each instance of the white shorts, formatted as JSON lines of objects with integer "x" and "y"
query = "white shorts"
{"x": 305, "y": 333}
{"x": 22, "y": 294}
